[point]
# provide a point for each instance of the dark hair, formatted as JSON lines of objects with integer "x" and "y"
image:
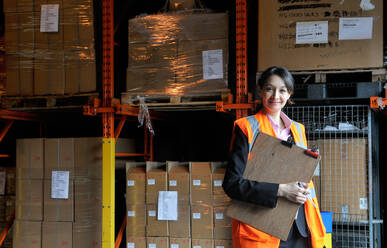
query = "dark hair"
{"x": 279, "y": 71}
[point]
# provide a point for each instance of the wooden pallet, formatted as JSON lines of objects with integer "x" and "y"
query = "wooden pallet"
{"x": 47, "y": 102}
{"x": 334, "y": 76}
{"x": 197, "y": 101}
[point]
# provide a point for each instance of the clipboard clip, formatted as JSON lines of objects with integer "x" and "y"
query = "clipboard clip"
{"x": 289, "y": 143}
{"x": 313, "y": 152}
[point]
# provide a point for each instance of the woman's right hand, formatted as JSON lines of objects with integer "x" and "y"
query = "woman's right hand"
{"x": 293, "y": 192}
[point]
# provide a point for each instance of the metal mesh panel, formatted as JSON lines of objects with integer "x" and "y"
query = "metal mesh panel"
{"x": 341, "y": 180}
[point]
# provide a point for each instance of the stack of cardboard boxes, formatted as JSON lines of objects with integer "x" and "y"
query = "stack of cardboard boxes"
{"x": 7, "y": 200}
{"x": 177, "y": 54}
{"x": 49, "y": 47}
{"x": 201, "y": 203}
{"x": 59, "y": 192}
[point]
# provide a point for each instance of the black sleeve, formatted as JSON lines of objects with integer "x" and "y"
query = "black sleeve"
{"x": 236, "y": 187}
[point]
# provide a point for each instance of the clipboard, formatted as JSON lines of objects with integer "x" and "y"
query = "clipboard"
{"x": 275, "y": 161}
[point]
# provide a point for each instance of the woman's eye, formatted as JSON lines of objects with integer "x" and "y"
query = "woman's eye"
{"x": 268, "y": 89}
{"x": 283, "y": 91}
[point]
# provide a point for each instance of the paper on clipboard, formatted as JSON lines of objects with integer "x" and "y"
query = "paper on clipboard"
{"x": 271, "y": 161}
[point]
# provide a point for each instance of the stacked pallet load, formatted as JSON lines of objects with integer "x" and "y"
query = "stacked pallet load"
{"x": 190, "y": 194}
{"x": 49, "y": 47}
{"x": 175, "y": 54}
{"x": 59, "y": 192}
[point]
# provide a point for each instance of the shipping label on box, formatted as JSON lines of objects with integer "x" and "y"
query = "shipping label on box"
{"x": 136, "y": 220}
{"x": 29, "y": 159}
{"x": 182, "y": 227}
{"x": 201, "y": 183}
{"x": 87, "y": 234}
{"x": 59, "y": 156}
{"x": 156, "y": 180}
{"x": 135, "y": 186}
{"x": 155, "y": 227}
{"x": 202, "y": 221}
{"x": 202, "y": 243}
{"x": 179, "y": 242}
{"x": 56, "y": 209}
{"x": 57, "y": 234}
{"x": 27, "y": 234}
{"x": 29, "y": 200}
{"x": 178, "y": 180}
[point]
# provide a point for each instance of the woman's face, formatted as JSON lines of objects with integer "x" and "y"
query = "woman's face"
{"x": 274, "y": 94}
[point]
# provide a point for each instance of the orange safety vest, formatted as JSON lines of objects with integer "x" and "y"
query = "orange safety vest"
{"x": 246, "y": 236}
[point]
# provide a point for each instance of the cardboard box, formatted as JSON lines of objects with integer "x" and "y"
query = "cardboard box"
{"x": 39, "y": 3}
{"x": 190, "y": 67}
{"x": 29, "y": 199}
{"x": 149, "y": 79}
{"x": 18, "y": 6}
{"x": 219, "y": 196}
{"x": 223, "y": 243}
{"x": 78, "y": 25}
{"x": 10, "y": 184}
{"x": 277, "y": 23}
{"x": 201, "y": 183}
{"x": 57, "y": 234}
{"x": 49, "y": 77}
{"x": 202, "y": 243}
{"x": 183, "y": 27}
{"x": 222, "y": 224}
{"x": 59, "y": 156}
{"x": 12, "y": 69}
{"x": 202, "y": 222}
{"x": 27, "y": 234}
{"x": 179, "y": 242}
{"x": 3, "y": 202}
{"x": 29, "y": 158}
{"x": 10, "y": 206}
{"x": 136, "y": 220}
{"x": 146, "y": 54}
{"x": 87, "y": 234}
{"x": 157, "y": 242}
{"x": 87, "y": 200}
{"x": 155, "y": 227}
{"x": 344, "y": 184}
{"x": 88, "y": 158}
{"x": 58, "y": 209}
{"x": 49, "y": 41}
{"x": 182, "y": 227}
{"x": 136, "y": 242}
{"x": 135, "y": 183}
{"x": 80, "y": 75}
{"x": 178, "y": 180}
{"x": 156, "y": 176}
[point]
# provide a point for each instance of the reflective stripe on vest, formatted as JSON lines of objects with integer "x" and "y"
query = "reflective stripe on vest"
{"x": 301, "y": 142}
{"x": 254, "y": 128}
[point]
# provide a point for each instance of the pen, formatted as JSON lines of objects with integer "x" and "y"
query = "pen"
{"x": 307, "y": 196}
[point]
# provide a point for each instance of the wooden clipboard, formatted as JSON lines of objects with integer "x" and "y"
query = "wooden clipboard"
{"x": 272, "y": 161}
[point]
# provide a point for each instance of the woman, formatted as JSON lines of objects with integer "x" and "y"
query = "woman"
{"x": 275, "y": 87}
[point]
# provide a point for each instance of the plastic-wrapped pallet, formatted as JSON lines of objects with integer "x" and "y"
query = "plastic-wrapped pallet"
{"x": 49, "y": 56}
{"x": 178, "y": 53}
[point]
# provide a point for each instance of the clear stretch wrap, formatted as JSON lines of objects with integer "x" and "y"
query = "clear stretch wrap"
{"x": 178, "y": 53}
{"x": 50, "y": 63}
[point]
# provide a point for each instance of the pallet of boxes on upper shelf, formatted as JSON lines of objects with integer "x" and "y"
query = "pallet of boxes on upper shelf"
{"x": 323, "y": 41}
{"x": 176, "y": 204}
{"x": 50, "y": 52}
{"x": 59, "y": 192}
{"x": 176, "y": 58}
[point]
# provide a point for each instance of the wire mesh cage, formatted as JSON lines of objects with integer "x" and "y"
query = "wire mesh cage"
{"x": 341, "y": 179}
